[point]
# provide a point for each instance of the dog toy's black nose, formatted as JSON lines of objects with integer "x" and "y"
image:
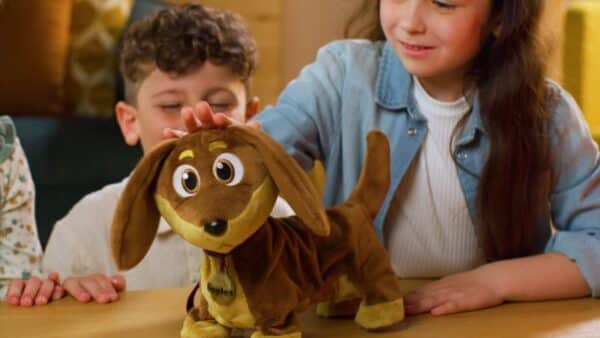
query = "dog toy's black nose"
{"x": 216, "y": 227}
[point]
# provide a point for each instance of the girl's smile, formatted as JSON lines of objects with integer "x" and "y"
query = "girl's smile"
{"x": 415, "y": 50}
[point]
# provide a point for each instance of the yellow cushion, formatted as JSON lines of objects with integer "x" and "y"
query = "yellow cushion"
{"x": 91, "y": 77}
{"x": 582, "y": 59}
{"x": 33, "y": 46}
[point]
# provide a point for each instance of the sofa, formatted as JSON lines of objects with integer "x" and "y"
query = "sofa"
{"x": 60, "y": 86}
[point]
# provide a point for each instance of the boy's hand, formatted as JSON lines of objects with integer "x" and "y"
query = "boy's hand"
{"x": 34, "y": 291}
{"x": 202, "y": 117}
{"x": 101, "y": 288}
{"x": 466, "y": 291}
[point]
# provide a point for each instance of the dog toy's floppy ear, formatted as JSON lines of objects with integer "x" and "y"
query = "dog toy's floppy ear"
{"x": 136, "y": 218}
{"x": 293, "y": 183}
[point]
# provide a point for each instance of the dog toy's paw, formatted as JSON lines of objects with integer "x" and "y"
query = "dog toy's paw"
{"x": 381, "y": 315}
{"x": 345, "y": 308}
{"x": 202, "y": 329}
{"x": 258, "y": 334}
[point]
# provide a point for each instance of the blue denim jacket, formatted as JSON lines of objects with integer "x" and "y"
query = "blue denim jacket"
{"x": 356, "y": 86}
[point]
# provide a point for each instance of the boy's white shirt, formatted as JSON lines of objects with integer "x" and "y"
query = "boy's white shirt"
{"x": 80, "y": 245}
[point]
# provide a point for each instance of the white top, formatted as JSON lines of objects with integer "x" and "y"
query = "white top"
{"x": 20, "y": 249}
{"x": 428, "y": 231}
{"x": 80, "y": 245}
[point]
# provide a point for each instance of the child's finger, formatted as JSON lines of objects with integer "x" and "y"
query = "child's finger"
{"x": 55, "y": 277}
{"x": 45, "y": 292}
{"x": 425, "y": 304}
{"x": 119, "y": 282}
{"x": 173, "y": 133}
{"x": 32, "y": 286}
{"x": 106, "y": 288}
{"x": 254, "y": 124}
{"x": 190, "y": 120}
{"x": 58, "y": 293}
{"x": 74, "y": 288}
{"x": 92, "y": 286}
{"x": 205, "y": 115}
{"x": 15, "y": 290}
{"x": 221, "y": 120}
{"x": 446, "y": 308}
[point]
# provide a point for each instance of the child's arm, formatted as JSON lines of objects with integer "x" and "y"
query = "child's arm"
{"x": 20, "y": 249}
{"x": 542, "y": 277}
{"x": 77, "y": 247}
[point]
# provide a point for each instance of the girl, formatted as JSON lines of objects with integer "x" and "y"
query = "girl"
{"x": 20, "y": 249}
{"x": 486, "y": 155}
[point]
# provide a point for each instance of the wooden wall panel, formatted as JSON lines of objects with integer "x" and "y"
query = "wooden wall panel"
{"x": 264, "y": 20}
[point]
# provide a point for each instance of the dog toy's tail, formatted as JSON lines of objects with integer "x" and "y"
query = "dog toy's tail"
{"x": 374, "y": 180}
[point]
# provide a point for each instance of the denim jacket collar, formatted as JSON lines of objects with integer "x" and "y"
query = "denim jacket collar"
{"x": 393, "y": 92}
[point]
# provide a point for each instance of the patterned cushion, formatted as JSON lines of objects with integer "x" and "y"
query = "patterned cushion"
{"x": 95, "y": 30}
{"x": 34, "y": 36}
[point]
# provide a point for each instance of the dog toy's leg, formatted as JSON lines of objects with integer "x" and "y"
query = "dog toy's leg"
{"x": 345, "y": 301}
{"x": 290, "y": 328}
{"x": 203, "y": 329}
{"x": 193, "y": 327}
{"x": 258, "y": 334}
{"x": 345, "y": 308}
{"x": 200, "y": 324}
{"x": 382, "y": 304}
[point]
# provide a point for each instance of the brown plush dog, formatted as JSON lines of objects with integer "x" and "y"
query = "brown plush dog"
{"x": 216, "y": 189}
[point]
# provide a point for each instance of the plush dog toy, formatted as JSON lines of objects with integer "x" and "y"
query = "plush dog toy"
{"x": 216, "y": 189}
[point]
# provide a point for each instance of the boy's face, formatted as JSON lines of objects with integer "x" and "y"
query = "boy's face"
{"x": 161, "y": 97}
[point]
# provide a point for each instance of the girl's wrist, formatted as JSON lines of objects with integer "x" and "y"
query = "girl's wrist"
{"x": 495, "y": 275}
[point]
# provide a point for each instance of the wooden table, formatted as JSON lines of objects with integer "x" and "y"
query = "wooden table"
{"x": 159, "y": 313}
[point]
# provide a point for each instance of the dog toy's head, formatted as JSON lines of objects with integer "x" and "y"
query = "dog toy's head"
{"x": 215, "y": 188}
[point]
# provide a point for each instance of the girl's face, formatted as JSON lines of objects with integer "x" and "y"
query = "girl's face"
{"x": 435, "y": 39}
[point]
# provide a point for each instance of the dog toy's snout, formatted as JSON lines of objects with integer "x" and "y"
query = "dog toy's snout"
{"x": 216, "y": 227}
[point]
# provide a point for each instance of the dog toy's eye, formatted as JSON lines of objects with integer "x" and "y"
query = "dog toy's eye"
{"x": 228, "y": 169}
{"x": 186, "y": 181}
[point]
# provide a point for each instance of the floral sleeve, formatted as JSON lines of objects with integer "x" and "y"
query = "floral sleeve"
{"x": 20, "y": 249}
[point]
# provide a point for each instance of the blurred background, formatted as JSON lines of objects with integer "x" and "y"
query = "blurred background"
{"x": 59, "y": 77}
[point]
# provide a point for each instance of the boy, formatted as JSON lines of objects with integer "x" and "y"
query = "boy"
{"x": 170, "y": 61}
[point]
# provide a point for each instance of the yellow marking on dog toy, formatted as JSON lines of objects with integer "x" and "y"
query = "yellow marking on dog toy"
{"x": 186, "y": 154}
{"x": 217, "y": 145}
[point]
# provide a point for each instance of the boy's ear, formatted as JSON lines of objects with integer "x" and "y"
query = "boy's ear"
{"x": 252, "y": 108}
{"x": 127, "y": 119}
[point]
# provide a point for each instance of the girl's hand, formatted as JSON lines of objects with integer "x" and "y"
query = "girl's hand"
{"x": 201, "y": 117}
{"x": 466, "y": 291}
{"x": 101, "y": 288}
{"x": 34, "y": 291}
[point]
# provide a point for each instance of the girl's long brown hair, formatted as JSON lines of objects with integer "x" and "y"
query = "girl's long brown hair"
{"x": 509, "y": 74}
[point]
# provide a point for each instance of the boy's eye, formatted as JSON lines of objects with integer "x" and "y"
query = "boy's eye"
{"x": 219, "y": 106}
{"x": 443, "y": 5}
{"x": 171, "y": 107}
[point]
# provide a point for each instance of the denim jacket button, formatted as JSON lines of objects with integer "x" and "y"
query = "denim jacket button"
{"x": 412, "y": 132}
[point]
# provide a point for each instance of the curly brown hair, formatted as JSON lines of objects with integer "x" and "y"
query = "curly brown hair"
{"x": 181, "y": 38}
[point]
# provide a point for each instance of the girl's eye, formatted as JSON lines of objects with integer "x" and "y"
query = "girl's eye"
{"x": 186, "y": 181}
{"x": 443, "y": 5}
{"x": 228, "y": 169}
